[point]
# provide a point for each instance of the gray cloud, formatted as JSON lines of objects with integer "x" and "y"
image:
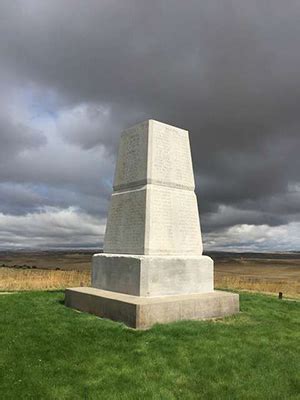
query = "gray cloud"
{"x": 16, "y": 137}
{"x": 65, "y": 228}
{"x": 228, "y": 72}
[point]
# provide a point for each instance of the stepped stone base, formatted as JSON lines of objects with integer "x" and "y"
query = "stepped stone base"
{"x": 143, "y": 312}
{"x": 147, "y": 276}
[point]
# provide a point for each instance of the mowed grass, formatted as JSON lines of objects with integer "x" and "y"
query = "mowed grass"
{"x": 48, "y": 351}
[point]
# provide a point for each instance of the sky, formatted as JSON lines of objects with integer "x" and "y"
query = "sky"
{"x": 75, "y": 74}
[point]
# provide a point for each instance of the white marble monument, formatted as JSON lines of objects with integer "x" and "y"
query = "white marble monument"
{"x": 152, "y": 269}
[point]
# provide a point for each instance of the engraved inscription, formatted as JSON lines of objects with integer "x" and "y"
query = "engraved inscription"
{"x": 132, "y": 157}
{"x": 126, "y": 223}
{"x": 171, "y": 157}
{"x": 174, "y": 222}
{"x": 160, "y": 217}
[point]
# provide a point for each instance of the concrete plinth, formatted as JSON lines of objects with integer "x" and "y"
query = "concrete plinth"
{"x": 143, "y": 312}
{"x": 152, "y": 275}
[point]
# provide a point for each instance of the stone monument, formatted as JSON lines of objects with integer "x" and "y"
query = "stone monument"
{"x": 152, "y": 269}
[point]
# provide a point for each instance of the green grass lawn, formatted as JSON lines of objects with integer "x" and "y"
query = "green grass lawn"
{"x": 48, "y": 351}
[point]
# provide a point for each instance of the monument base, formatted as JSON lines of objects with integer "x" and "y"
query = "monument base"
{"x": 143, "y": 312}
{"x": 152, "y": 275}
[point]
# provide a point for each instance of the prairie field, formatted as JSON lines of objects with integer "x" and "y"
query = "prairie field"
{"x": 260, "y": 274}
{"x": 268, "y": 273}
{"x": 12, "y": 279}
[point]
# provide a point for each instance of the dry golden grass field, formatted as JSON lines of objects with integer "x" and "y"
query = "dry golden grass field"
{"x": 269, "y": 273}
{"x": 261, "y": 275}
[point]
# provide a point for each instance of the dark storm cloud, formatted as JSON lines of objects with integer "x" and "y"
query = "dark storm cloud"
{"x": 16, "y": 199}
{"x": 226, "y": 71}
{"x": 91, "y": 125}
{"x": 60, "y": 177}
{"x": 16, "y": 137}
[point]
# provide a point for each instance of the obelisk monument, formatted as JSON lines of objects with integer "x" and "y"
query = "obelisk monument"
{"x": 152, "y": 268}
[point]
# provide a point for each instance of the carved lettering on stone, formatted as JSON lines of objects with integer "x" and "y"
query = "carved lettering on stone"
{"x": 153, "y": 208}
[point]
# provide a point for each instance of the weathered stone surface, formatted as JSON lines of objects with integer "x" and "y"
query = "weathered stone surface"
{"x": 169, "y": 156}
{"x": 153, "y": 220}
{"x": 131, "y": 168}
{"x": 153, "y": 207}
{"x": 125, "y": 229}
{"x": 152, "y": 275}
{"x": 172, "y": 222}
{"x": 153, "y": 152}
{"x": 143, "y": 312}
